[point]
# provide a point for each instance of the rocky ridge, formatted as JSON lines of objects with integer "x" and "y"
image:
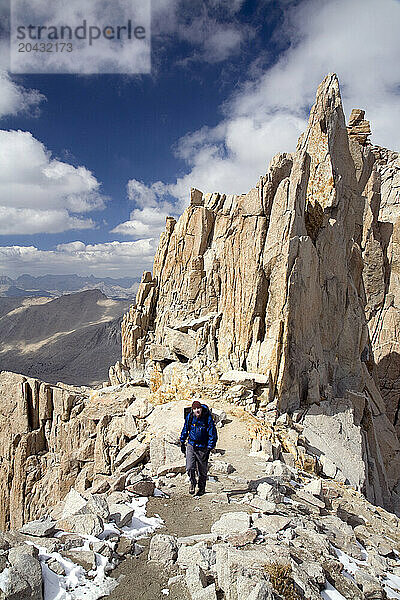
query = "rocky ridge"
{"x": 277, "y": 530}
{"x": 269, "y": 289}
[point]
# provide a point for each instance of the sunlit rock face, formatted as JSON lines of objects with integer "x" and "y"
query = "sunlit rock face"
{"x": 271, "y": 282}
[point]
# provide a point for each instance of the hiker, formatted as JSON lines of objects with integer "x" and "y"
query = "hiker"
{"x": 201, "y": 433}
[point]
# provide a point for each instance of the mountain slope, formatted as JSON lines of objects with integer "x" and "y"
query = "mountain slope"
{"x": 72, "y": 338}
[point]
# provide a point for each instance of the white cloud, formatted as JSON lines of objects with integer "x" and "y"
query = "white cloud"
{"x": 40, "y": 194}
{"x": 15, "y": 98}
{"x": 209, "y": 27}
{"x": 13, "y": 220}
{"x": 113, "y": 259}
{"x": 358, "y": 40}
{"x": 113, "y": 55}
{"x": 148, "y": 219}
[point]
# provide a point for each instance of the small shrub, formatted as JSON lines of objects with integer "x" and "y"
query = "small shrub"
{"x": 280, "y": 577}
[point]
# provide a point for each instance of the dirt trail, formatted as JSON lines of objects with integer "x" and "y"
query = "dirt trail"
{"x": 185, "y": 515}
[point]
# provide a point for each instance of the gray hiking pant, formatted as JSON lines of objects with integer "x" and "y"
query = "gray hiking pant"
{"x": 197, "y": 463}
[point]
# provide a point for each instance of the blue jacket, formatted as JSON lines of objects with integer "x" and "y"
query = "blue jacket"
{"x": 202, "y": 432}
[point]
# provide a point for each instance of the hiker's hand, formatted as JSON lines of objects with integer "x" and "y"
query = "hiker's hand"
{"x": 183, "y": 448}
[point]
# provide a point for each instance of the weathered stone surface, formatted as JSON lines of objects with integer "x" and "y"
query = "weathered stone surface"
{"x": 310, "y": 498}
{"x": 83, "y": 524}
{"x": 265, "y": 506}
{"x": 84, "y": 558}
{"x": 39, "y": 528}
{"x": 55, "y": 566}
{"x": 14, "y": 585}
{"x": 241, "y": 539}
{"x": 145, "y": 487}
{"x": 271, "y": 524}
{"x": 121, "y": 514}
{"x": 195, "y": 579}
{"x": 163, "y": 549}
{"x": 73, "y": 504}
{"x": 58, "y": 437}
{"x": 334, "y": 428}
{"x": 314, "y": 487}
{"x": 244, "y": 378}
{"x": 232, "y": 563}
{"x": 180, "y": 343}
{"x": 198, "y": 554}
{"x": 380, "y": 246}
{"x": 133, "y": 453}
{"x": 207, "y": 593}
{"x": 194, "y": 539}
{"x": 220, "y": 466}
{"x": 269, "y": 492}
{"x": 278, "y": 471}
{"x": 233, "y": 522}
{"x": 24, "y": 568}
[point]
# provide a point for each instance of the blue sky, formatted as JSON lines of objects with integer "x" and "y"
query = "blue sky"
{"x": 90, "y": 166}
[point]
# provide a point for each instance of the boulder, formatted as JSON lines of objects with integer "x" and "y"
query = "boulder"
{"x": 310, "y": 498}
{"x": 131, "y": 455}
{"x": 207, "y": 593}
{"x": 195, "y": 579}
{"x": 121, "y": 514}
{"x": 198, "y": 554}
{"x": 96, "y": 505}
{"x": 87, "y": 524}
{"x": 29, "y": 570}
{"x": 265, "y": 506}
{"x": 279, "y": 471}
{"x": 163, "y": 549}
{"x": 15, "y": 585}
{"x": 84, "y": 558}
{"x": 230, "y": 523}
{"x": 41, "y": 528}
{"x": 125, "y": 546}
{"x": 243, "y": 538}
{"x": 181, "y": 343}
{"x": 55, "y": 566}
{"x": 272, "y": 524}
{"x": 144, "y": 487}
{"x": 221, "y": 467}
{"x": 269, "y": 492}
{"x": 232, "y": 564}
{"x": 314, "y": 487}
{"x": 74, "y": 502}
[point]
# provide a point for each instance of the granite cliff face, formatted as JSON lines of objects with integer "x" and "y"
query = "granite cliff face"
{"x": 381, "y": 255}
{"x": 54, "y": 437}
{"x": 273, "y": 283}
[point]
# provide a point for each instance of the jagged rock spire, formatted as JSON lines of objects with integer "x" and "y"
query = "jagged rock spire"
{"x": 271, "y": 282}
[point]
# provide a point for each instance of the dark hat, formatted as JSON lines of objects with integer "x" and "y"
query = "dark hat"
{"x": 196, "y": 404}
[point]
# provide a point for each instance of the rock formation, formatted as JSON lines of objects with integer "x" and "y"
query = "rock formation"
{"x": 56, "y": 437}
{"x": 381, "y": 255}
{"x": 271, "y": 282}
{"x": 267, "y": 529}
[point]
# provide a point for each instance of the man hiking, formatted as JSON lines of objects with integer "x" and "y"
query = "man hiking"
{"x": 202, "y": 436}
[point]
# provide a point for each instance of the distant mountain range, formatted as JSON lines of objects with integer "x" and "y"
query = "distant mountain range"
{"x": 52, "y": 286}
{"x": 73, "y": 338}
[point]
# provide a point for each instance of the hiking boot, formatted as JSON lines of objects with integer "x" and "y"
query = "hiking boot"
{"x": 192, "y": 488}
{"x": 200, "y": 492}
